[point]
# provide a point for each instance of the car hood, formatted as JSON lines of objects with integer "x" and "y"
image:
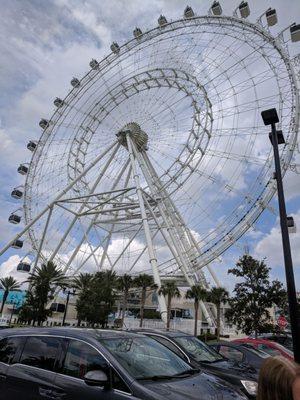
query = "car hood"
{"x": 230, "y": 368}
{"x": 201, "y": 386}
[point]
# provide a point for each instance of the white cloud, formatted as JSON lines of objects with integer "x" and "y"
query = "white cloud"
{"x": 9, "y": 268}
{"x": 271, "y": 245}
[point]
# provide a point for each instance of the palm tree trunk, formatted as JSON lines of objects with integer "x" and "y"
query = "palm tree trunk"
{"x": 143, "y": 301}
{"x": 5, "y": 294}
{"x": 196, "y": 305}
{"x": 218, "y": 321}
{"x": 169, "y": 312}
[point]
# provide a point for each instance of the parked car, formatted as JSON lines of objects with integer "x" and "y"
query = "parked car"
{"x": 284, "y": 339}
{"x": 198, "y": 354}
{"x": 242, "y": 353}
{"x": 267, "y": 346}
{"x": 90, "y": 364}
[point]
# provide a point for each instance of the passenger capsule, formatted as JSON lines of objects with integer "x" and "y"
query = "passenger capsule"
{"x": 58, "y": 102}
{"x": 14, "y": 219}
{"x": 31, "y": 145}
{"x": 115, "y": 48}
{"x": 271, "y": 16}
{"x": 75, "y": 82}
{"x": 23, "y": 267}
{"x": 22, "y": 169}
{"x": 216, "y": 8}
{"x": 137, "y": 33}
{"x": 58, "y": 307}
{"x": 17, "y": 193}
{"x": 94, "y": 64}
{"x": 17, "y": 244}
{"x": 44, "y": 123}
{"x": 162, "y": 21}
{"x": 295, "y": 32}
{"x": 188, "y": 12}
{"x": 244, "y": 9}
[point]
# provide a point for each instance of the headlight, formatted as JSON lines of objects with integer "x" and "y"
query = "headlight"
{"x": 250, "y": 386}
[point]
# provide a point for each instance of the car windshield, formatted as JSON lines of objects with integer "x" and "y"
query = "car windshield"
{"x": 197, "y": 349}
{"x": 259, "y": 353}
{"x": 145, "y": 358}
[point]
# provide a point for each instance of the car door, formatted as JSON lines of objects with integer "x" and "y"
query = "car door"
{"x": 10, "y": 348}
{"x": 33, "y": 376}
{"x": 80, "y": 358}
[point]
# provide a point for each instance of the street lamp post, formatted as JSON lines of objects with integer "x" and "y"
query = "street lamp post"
{"x": 270, "y": 117}
{"x": 69, "y": 292}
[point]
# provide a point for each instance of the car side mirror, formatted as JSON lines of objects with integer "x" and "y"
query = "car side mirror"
{"x": 96, "y": 378}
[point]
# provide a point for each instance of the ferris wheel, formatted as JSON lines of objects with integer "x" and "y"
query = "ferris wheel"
{"x": 157, "y": 160}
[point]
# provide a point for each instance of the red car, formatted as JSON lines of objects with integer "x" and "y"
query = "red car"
{"x": 267, "y": 346}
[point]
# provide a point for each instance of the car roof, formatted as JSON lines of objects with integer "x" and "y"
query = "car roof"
{"x": 79, "y": 333}
{"x": 169, "y": 334}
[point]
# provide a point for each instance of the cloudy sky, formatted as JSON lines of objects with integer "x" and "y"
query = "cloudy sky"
{"x": 44, "y": 43}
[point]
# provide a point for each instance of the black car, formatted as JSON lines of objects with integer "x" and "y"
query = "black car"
{"x": 198, "y": 354}
{"x": 242, "y": 353}
{"x": 88, "y": 364}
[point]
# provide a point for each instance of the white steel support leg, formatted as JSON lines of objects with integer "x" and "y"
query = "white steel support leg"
{"x": 113, "y": 225}
{"x": 178, "y": 244}
{"x": 43, "y": 238}
{"x": 152, "y": 257}
{"x": 75, "y": 252}
{"x": 93, "y": 188}
{"x": 58, "y": 197}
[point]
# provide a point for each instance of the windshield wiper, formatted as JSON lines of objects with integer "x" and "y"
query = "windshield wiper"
{"x": 191, "y": 371}
{"x": 188, "y": 372}
{"x": 211, "y": 362}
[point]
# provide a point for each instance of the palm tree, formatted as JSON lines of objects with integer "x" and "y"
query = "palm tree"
{"x": 43, "y": 282}
{"x": 8, "y": 284}
{"x": 143, "y": 281}
{"x": 169, "y": 290}
{"x": 82, "y": 283}
{"x": 124, "y": 284}
{"x": 197, "y": 293}
{"x": 217, "y": 296}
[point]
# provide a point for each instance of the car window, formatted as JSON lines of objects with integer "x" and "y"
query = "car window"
{"x": 255, "y": 351}
{"x": 168, "y": 344}
{"x": 9, "y": 348}
{"x": 40, "y": 352}
{"x": 118, "y": 383}
{"x": 231, "y": 353}
{"x": 144, "y": 357}
{"x": 82, "y": 358}
{"x": 269, "y": 350}
{"x": 197, "y": 349}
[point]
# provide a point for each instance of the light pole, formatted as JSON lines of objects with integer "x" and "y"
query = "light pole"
{"x": 69, "y": 292}
{"x": 270, "y": 117}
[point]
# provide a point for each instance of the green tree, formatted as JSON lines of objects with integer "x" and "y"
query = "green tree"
{"x": 170, "y": 291}
{"x": 8, "y": 284}
{"x": 143, "y": 281}
{"x": 253, "y": 295}
{"x": 197, "y": 293}
{"x": 217, "y": 296}
{"x": 42, "y": 285}
{"x": 97, "y": 298}
{"x": 83, "y": 285}
{"x": 124, "y": 284}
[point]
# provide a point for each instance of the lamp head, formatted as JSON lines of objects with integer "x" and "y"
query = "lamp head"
{"x": 270, "y": 116}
